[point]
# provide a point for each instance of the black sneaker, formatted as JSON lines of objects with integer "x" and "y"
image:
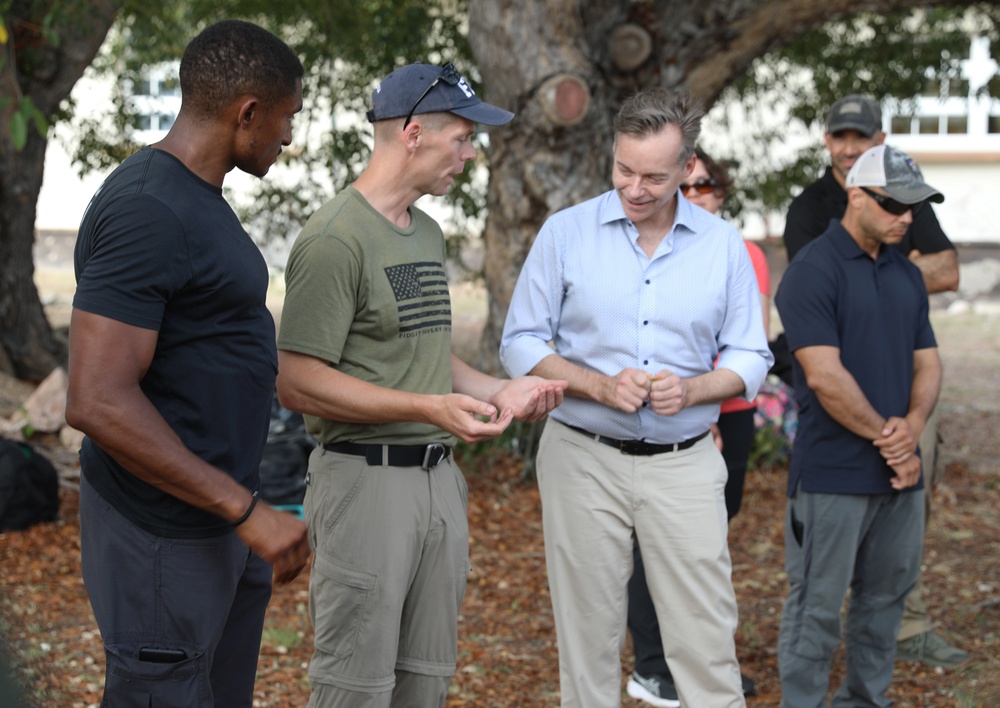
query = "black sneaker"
{"x": 655, "y": 690}
{"x": 749, "y": 687}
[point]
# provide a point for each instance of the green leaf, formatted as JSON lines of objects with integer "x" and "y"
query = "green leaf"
{"x": 18, "y": 130}
{"x": 31, "y": 113}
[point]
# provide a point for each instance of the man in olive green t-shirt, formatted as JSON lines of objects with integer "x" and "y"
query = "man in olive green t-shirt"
{"x": 365, "y": 355}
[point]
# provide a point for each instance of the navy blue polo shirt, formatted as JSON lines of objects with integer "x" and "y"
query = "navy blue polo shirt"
{"x": 876, "y": 313}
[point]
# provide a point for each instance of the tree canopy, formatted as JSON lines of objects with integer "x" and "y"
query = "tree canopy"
{"x": 519, "y": 53}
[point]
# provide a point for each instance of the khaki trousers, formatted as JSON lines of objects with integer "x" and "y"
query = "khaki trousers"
{"x": 391, "y": 556}
{"x": 915, "y": 618}
{"x": 594, "y": 499}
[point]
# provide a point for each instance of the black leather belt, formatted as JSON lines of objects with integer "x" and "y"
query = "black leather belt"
{"x": 639, "y": 447}
{"x": 424, "y": 456}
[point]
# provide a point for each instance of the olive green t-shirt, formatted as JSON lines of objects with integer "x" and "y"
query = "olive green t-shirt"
{"x": 372, "y": 299}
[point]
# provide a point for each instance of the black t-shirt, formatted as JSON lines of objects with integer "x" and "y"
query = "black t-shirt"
{"x": 809, "y": 216}
{"x": 159, "y": 248}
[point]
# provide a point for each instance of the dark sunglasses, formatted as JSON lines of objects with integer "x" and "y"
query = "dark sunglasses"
{"x": 449, "y": 74}
{"x": 702, "y": 186}
{"x": 891, "y": 205}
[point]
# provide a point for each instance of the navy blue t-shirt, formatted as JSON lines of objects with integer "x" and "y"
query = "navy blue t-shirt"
{"x": 159, "y": 248}
{"x": 876, "y": 313}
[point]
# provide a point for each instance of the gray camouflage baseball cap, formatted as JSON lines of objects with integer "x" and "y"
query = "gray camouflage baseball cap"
{"x": 895, "y": 172}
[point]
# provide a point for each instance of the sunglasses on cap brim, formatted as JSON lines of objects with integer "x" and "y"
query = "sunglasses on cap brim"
{"x": 449, "y": 74}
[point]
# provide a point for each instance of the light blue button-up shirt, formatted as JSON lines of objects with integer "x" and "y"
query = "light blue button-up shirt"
{"x": 588, "y": 290}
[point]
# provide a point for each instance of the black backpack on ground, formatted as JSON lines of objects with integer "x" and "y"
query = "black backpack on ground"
{"x": 29, "y": 487}
{"x": 286, "y": 458}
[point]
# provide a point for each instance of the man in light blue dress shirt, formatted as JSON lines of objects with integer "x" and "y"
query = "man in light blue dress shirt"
{"x": 630, "y": 297}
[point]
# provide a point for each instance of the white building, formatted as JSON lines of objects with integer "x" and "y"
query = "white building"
{"x": 954, "y": 136}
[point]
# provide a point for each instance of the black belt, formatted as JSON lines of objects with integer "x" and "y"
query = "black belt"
{"x": 424, "y": 456}
{"x": 639, "y": 447}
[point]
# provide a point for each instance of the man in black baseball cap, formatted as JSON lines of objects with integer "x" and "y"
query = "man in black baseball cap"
{"x": 365, "y": 353}
{"x": 854, "y": 125}
{"x": 857, "y": 113}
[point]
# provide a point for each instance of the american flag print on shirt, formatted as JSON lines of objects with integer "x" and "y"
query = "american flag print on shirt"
{"x": 421, "y": 291}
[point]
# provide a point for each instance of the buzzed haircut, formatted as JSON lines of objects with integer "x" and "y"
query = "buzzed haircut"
{"x": 648, "y": 111}
{"x": 234, "y": 58}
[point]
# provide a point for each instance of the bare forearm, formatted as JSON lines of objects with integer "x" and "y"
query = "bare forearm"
{"x": 309, "y": 385}
{"x": 940, "y": 270}
{"x": 127, "y": 426}
{"x": 845, "y": 402}
{"x": 107, "y": 361}
{"x": 714, "y": 387}
{"x": 472, "y": 382}
{"x": 926, "y": 386}
{"x": 583, "y": 383}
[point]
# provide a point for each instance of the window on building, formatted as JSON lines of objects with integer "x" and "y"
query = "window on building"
{"x": 170, "y": 86}
{"x": 156, "y": 99}
{"x": 950, "y": 104}
{"x": 958, "y": 125}
{"x": 928, "y": 125}
{"x": 901, "y": 125}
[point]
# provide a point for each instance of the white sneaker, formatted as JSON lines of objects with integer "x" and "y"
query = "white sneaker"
{"x": 657, "y": 691}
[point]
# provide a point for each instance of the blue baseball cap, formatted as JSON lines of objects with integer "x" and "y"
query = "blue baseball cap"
{"x": 409, "y": 91}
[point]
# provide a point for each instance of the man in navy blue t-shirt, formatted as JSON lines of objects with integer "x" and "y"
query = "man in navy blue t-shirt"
{"x": 172, "y": 371}
{"x": 867, "y": 376}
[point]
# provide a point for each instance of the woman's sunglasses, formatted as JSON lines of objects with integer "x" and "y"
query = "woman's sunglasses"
{"x": 702, "y": 186}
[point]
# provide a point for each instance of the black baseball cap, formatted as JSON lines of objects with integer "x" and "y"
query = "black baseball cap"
{"x": 855, "y": 112}
{"x": 406, "y": 90}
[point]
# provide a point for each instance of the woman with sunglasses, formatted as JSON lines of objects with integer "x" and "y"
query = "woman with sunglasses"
{"x": 651, "y": 680}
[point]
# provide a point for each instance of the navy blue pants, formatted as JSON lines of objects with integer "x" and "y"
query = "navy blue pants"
{"x": 181, "y": 619}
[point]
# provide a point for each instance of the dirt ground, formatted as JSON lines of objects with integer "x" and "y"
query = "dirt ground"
{"x": 507, "y": 652}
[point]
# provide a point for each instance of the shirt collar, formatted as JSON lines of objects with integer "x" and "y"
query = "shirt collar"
{"x": 847, "y": 248}
{"x": 611, "y": 210}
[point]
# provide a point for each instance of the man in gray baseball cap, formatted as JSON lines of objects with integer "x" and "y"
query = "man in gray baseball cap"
{"x": 854, "y": 126}
{"x": 854, "y": 309}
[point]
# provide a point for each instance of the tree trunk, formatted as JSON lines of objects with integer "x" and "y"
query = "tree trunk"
{"x": 25, "y": 333}
{"x": 33, "y": 67}
{"x": 539, "y": 165}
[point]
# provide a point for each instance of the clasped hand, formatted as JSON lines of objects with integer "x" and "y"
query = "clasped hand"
{"x": 526, "y": 398}
{"x": 665, "y": 392}
{"x": 898, "y": 446}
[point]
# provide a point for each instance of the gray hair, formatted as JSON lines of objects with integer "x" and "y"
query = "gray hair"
{"x": 648, "y": 111}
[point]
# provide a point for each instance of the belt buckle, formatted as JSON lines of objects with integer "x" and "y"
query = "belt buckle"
{"x": 629, "y": 447}
{"x": 430, "y": 460}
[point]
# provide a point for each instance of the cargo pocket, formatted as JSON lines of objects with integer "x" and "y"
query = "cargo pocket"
{"x": 340, "y": 602}
{"x": 165, "y": 682}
